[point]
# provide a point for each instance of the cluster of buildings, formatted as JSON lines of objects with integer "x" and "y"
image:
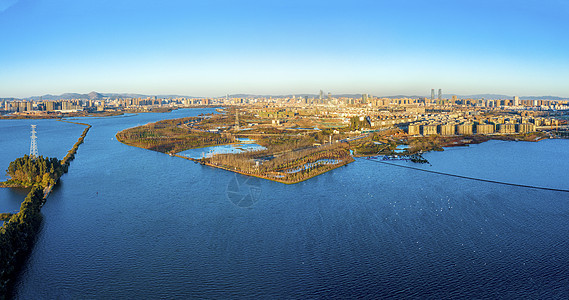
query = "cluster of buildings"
{"x": 365, "y": 101}
{"x": 490, "y": 125}
{"x": 419, "y": 116}
{"x": 368, "y": 101}
{"x": 423, "y": 116}
{"x": 469, "y": 128}
{"x": 28, "y": 106}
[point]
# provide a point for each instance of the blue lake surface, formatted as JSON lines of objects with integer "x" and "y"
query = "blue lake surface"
{"x": 197, "y": 153}
{"x": 55, "y": 138}
{"x": 131, "y": 223}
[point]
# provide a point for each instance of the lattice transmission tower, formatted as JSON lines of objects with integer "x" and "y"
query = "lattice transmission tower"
{"x": 34, "y": 144}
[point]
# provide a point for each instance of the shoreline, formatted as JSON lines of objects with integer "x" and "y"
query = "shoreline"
{"x": 465, "y": 141}
{"x": 109, "y": 113}
{"x": 343, "y": 163}
{"x": 29, "y": 218}
{"x": 415, "y": 147}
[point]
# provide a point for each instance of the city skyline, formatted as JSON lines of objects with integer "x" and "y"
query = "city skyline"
{"x": 232, "y": 47}
{"x": 94, "y": 95}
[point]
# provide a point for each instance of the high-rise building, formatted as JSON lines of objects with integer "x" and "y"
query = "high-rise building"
{"x": 440, "y": 95}
{"x": 22, "y": 106}
{"x": 516, "y": 101}
{"x": 432, "y": 95}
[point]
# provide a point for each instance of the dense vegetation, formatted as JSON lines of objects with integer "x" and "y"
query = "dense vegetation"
{"x": 356, "y": 124}
{"x": 71, "y": 153}
{"x": 27, "y": 171}
{"x": 19, "y": 231}
{"x": 288, "y": 167}
{"x": 377, "y": 143}
{"x": 17, "y": 236}
{"x": 5, "y": 216}
{"x": 284, "y": 142}
{"x": 290, "y": 156}
{"x": 172, "y": 136}
{"x": 368, "y": 147}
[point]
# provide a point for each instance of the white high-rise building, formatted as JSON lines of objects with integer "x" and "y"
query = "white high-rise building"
{"x": 516, "y": 101}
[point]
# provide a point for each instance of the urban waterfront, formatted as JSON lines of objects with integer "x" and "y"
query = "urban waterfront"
{"x": 127, "y": 222}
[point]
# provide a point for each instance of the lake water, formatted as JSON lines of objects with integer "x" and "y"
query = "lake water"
{"x": 131, "y": 223}
{"x": 245, "y": 145}
{"x": 401, "y": 148}
{"x": 543, "y": 164}
{"x": 55, "y": 138}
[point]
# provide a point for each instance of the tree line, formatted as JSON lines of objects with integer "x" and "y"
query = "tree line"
{"x": 171, "y": 136}
{"x": 280, "y": 166}
{"x": 17, "y": 237}
{"x": 26, "y": 171}
{"x": 19, "y": 231}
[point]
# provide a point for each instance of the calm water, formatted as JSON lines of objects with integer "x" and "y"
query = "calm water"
{"x": 246, "y": 145}
{"x": 131, "y": 223}
{"x": 55, "y": 138}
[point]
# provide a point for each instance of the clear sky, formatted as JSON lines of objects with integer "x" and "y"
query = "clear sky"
{"x": 216, "y": 47}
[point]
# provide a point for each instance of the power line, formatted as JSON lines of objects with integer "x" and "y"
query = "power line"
{"x": 474, "y": 178}
{"x": 34, "y": 144}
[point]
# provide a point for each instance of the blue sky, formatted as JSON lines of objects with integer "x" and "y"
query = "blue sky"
{"x": 216, "y": 47}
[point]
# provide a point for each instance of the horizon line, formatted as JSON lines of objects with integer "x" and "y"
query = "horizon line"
{"x": 109, "y": 94}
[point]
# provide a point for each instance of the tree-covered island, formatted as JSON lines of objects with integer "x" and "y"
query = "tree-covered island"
{"x": 303, "y": 143}
{"x": 290, "y": 156}
{"x": 19, "y": 230}
{"x": 27, "y": 171}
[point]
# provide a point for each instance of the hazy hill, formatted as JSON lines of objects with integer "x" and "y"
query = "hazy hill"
{"x": 95, "y": 96}
{"x": 100, "y": 96}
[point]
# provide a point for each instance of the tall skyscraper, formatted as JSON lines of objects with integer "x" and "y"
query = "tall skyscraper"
{"x": 440, "y": 94}
{"x": 432, "y": 95}
{"x": 516, "y": 101}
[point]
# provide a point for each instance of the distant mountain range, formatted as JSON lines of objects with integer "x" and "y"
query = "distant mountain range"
{"x": 100, "y": 96}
